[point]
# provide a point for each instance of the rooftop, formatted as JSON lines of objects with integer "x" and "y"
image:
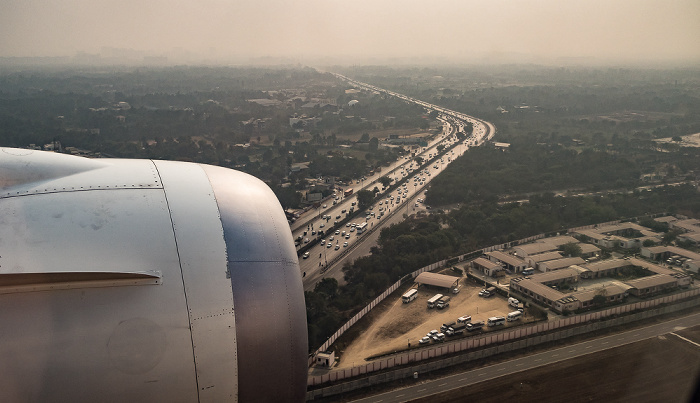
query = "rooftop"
{"x": 504, "y": 257}
{"x": 652, "y": 281}
{"x": 438, "y": 280}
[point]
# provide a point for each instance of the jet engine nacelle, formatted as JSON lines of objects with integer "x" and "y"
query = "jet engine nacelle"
{"x": 141, "y": 280}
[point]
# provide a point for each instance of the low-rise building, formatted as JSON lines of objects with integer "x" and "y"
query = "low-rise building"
{"x": 535, "y": 260}
{"x": 652, "y": 285}
{"x": 510, "y": 262}
{"x": 559, "y": 264}
{"x": 486, "y": 266}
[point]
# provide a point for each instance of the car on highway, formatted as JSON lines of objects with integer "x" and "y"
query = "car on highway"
{"x": 337, "y": 247}
{"x": 305, "y": 255}
{"x": 345, "y": 244}
{"x": 424, "y": 340}
{"x": 329, "y": 245}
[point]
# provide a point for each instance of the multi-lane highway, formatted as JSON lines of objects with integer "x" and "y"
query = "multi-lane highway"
{"x": 338, "y": 242}
{"x": 532, "y": 361}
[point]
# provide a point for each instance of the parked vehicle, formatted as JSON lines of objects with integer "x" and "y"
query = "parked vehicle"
{"x": 446, "y": 326}
{"x": 496, "y": 321}
{"x": 475, "y": 326}
{"x": 432, "y": 301}
{"x": 456, "y": 329}
{"x": 515, "y": 315}
{"x": 513, "y": 302}
{"x": 443, "y": 303}
{"x": 464, "y": 319}
{"x": 409, "y": 296}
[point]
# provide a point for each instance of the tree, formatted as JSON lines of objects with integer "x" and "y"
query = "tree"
{"x": 385, "y": 181}
{"x": 373, "y": 144}
{"x": 599, "y": 299}
{"x": 648, "y": 242}
{"x": 327, "y": 287}
{"x": 364, "y": 199}
{"x": 364, "y": 138}
{"x": 670, "y": 236}
{"x": 419, "y": 160}
{"x": 571, "y": 249}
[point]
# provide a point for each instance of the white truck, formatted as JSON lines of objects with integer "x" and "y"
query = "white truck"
{"x": 432, "y": 301}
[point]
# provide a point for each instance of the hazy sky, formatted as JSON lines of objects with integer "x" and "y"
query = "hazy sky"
{"x": 458, "y": 30}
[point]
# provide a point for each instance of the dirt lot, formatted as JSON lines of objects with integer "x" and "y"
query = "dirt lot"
{"x": 400, "y": 323}
{"x": 663, "y": 369}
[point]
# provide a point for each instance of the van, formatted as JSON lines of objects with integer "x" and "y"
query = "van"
{"x": 474, "y": 326}
{"x": 513, "y": 302}
{"x": 513, "y": 316}
{"x": 464, "y": 319}
{"x": 529, "y": 271}
{"x": 496, "y": 321}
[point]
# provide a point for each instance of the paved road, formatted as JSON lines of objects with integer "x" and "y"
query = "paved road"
{"x": 326, "y": 262}
{"x": 535, "y": 360}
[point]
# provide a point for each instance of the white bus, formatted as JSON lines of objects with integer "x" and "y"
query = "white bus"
{"x": 515, "y": 315}
{"x": 432, "y": 301}
{"x": 496, "y": 321}
{"x": 361, "y": 228}
{"x": 409, "y": 296}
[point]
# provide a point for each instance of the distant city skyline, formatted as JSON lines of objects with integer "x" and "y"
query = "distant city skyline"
{"x": 650, "y": 32}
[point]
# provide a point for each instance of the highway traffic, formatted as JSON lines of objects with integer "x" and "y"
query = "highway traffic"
{"x": 337, "y": 238}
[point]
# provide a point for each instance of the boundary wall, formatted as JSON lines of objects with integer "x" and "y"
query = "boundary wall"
{"x": 437, "y": 265}
{"x": 507, "y": 341}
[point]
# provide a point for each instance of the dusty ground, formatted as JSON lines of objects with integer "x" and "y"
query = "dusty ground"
{"x": 663, "y": 369}
{"x": 691, "y": 140}
{"x": 400, "y": 323}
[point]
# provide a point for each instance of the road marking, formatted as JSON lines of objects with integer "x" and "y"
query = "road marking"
{"x": 683, "y": 338}
{"x": 400, "y": 395}
{"x": 589, "y": 346}
{"x": 501, "y": 369}
{"x": 519, "y": 365}
{"x": 482, "y": 374}
{"x": 604, "y": 343}
{"x": 443, "y": 384}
